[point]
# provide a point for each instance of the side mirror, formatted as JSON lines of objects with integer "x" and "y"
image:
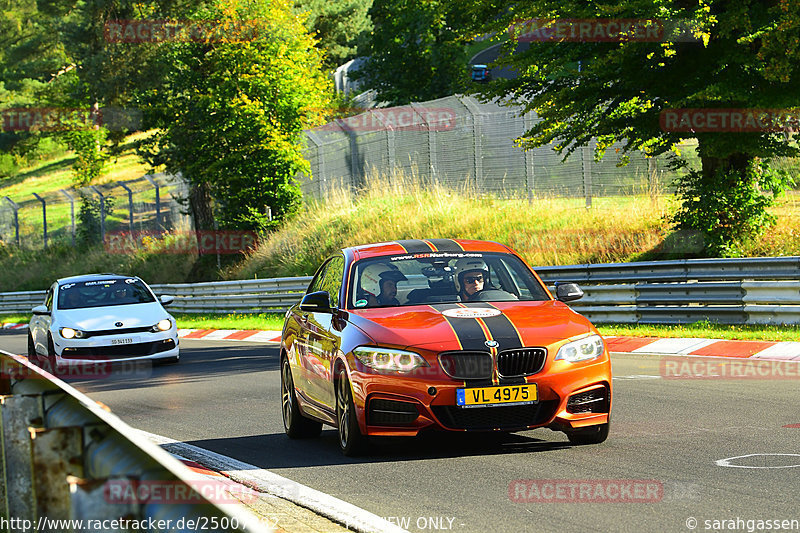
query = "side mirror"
{"x": 316, "y": 302}
{"x": 166, "y": 299}
{"x": 568, "y": 292}
{"x": 40, "y": 310}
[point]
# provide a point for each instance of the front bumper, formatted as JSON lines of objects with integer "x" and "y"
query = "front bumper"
{"x": 405, "y": 405}
{"x": 113, "y": 348}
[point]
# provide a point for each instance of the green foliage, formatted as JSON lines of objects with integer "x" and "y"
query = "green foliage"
{"x": 340, "y": 26}
{"x": 415, "y": 52}
{"x": 232, "y": 113}
{"x": 88, "y": 144}
{"x": 745, "y": 55}
{"x": 90, "y": 215}
{"x": 728, "y": 207}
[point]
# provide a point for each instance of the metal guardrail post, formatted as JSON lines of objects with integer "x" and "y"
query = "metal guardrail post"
{"x": 130, "y": 206}
{"x": 149, "y": 178}
{"x": 15, "y": 207}
{"x": 102, "y": 212}
{"x": 71, "y": 211}
{"x": 44, "y": 218}
{"x": 57, "y": 454}
{"x": 18, "y": 414}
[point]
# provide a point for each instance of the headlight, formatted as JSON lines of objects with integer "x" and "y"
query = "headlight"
{"x": 163, "y": 325}
{"x": 581, "y": 350}
{"x": 389, "y": 359}
{"x": 69, "y": 333}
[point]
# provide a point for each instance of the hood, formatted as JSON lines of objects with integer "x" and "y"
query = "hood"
{"x": 468, "y": 326}
{"x": 101, "y": 318}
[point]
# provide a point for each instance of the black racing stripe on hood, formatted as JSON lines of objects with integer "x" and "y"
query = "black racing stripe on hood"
{"x": 469, "y": 332}
{"x": 501, "y": 328}
{"x": 414, "y": 246}
{"x": 446, "y": 245}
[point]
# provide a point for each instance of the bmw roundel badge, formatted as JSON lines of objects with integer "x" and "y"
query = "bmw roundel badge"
{"x": 492, "y": 344}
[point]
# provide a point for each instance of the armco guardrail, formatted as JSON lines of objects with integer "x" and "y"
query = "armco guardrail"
{"x": 755, "y": 268}
{"x": 731, "y": 291}
{"x": 65, "y": 458}
{"x": 245, "y": 296}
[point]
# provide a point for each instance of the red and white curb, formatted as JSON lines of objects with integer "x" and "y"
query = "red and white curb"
{"x": 250, "y": 335}
{"x": 781, "y": 351}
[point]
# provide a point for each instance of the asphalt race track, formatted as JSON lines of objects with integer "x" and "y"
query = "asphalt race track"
{"x": 658, "y": 471}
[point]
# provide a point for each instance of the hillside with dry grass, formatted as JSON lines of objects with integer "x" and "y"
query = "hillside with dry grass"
{"x": 546, "y": 231}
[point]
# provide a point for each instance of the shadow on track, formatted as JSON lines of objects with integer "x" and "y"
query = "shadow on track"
{"x": 275, "y": 451}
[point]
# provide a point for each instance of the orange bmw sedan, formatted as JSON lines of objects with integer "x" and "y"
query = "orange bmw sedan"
{"x": 455, "y": 335}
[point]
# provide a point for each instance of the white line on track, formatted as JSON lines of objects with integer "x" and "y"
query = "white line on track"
{"x": 268, "y": 482}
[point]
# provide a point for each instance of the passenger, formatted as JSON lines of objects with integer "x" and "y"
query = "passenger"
{"x": 379, "y": 282}
{"x": 472, "y": 276}
{"x": 71, "y": 300}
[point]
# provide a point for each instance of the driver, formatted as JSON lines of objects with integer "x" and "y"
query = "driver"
{"x": 379, "y": 281}
{"x": 472, "y": 277}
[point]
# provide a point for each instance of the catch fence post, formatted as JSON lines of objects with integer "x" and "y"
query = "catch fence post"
{"x": 586, "y": 167}
{"x": 158, "y": 201}
{"x": 130, "y": 206}
{"x": 15, "y": 207}
{"x": 71, "y": 212}
{"x": 477, "y": 119}
{"x": 102, "y": 212}
{"x": 44, "y": 218}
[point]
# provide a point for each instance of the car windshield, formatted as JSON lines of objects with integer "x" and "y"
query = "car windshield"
{"x": 104, "y": 292}
{"x": 428, "y": 278}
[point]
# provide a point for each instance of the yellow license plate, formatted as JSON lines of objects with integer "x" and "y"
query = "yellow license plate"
{"x": 509, "y": 394}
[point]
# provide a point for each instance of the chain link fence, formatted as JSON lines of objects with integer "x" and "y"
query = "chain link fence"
{"x": 460, "y": 142}
{"x": 152, "y": 203}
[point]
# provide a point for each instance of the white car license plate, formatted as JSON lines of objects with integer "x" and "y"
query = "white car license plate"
{"x": 126, "y": 340}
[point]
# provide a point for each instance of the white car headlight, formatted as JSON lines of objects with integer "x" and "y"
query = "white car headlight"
{"x": 163, "y": 325}
{"x": 69, "y": 333}
{"x": 389, "y": 359}
{"x": 584, "y": 349}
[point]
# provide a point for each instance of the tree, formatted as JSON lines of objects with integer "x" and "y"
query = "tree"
{"x": 415, "y": 52}
{"x": 339, "y": 26}
{"x": 744, "y": 55}
{"x": 232, "y": 111}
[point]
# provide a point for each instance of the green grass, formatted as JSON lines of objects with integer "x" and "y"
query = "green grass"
{"x": 705, "y": 330}
{"x": 260, "y": 321}
{"x": 263, "y": 321}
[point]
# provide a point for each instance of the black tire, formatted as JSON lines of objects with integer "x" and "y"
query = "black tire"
{"x": 295, "y": 424}
{"x": 351, "y": 441}
{"x": 589, "y": 435}
{"x": 32, "y": 356}
{"x": 49, "y": 363}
